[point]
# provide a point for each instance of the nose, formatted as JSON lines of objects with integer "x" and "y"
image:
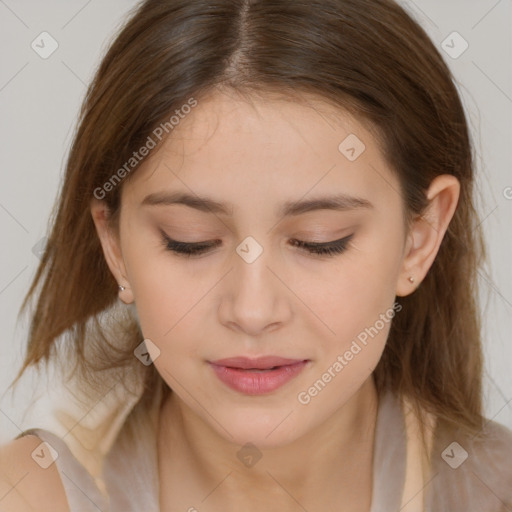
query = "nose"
{"x": 254, "y": 299}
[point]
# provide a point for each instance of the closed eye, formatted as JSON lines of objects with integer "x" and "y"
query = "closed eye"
{"x": 325, "y": 248}
{"x": 316, "y": 248}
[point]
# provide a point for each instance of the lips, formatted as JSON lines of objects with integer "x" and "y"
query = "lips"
{"x": 259, "y": 363}
{"x": 257, "y": 376}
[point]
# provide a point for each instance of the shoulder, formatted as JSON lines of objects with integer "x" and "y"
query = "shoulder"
{"x": 469, "y": 470}
{"x": 493, "y": 448}
{"x": 493, "y": 451}
{"x": 26, "y": 485}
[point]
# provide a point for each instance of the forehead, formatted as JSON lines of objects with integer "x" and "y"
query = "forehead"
{"x": 273, "y": 121}
{"x": 269, "y": 149}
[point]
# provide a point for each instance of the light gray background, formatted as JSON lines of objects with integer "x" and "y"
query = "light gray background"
{"x": 39, "y": 102}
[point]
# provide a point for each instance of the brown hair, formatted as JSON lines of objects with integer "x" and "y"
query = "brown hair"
{"x": 368, "y": 57}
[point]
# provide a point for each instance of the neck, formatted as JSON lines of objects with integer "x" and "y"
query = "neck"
{"x": 339, "y": 458}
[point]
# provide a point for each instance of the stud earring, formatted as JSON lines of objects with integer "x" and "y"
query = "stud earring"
{"x": 411, "y": 279}
{"x": 121, "y": 288}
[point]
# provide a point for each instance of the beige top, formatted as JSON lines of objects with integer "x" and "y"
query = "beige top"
{"x": 107, "y": 459}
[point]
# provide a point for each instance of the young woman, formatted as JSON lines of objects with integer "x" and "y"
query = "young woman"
{"x": 260, "y": 282}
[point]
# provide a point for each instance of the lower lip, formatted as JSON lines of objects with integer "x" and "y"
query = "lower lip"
{"x": 251, "y": 382}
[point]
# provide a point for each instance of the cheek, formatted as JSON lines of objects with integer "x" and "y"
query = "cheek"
{"x": 168, "y": 307}
{"x": 348, "y": 358}
{"x": 351, "y": 294}
{"x": 165, "y": 296}
{"x": 165, "y": 310}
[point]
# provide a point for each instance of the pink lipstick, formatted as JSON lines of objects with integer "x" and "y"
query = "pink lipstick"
{"x": 257, "y": 376}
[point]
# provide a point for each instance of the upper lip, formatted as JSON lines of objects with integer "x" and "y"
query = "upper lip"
{"x": 258, "y": 363}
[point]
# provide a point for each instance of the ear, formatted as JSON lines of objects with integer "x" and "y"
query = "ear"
{"x": 427, "y": 232}
{"x": 111, "y": 247}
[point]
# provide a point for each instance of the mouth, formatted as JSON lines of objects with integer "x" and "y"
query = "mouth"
{"x": 258, "y": 363}
{"x": 257, "y": 376}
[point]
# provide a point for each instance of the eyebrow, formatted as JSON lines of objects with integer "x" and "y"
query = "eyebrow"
{"x": 338, "y": 202}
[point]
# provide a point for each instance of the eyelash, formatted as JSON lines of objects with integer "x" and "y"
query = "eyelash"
{"x": 333, "y": 248}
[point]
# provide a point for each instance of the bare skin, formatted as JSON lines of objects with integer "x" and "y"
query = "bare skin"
{"x": 24, "y": 485}
{"x": 316, "y": 453}
{"x": 188, "y": 477}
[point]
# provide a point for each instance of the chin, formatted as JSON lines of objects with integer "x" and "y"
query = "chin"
{"x": 262, "y": 430}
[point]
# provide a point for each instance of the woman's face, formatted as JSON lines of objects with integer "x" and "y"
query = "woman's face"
{"x": 268, "y": 167}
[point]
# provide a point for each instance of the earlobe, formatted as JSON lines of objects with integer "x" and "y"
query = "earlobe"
{"x": 111, "y": 248}
{"x": 427, "y": 232}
